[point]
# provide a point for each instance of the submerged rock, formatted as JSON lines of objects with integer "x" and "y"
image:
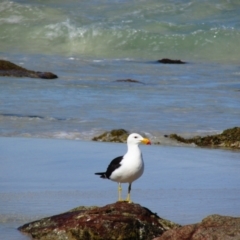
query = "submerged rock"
{"x": 12, "y": 70}
{"x": 212, "y": 227}
{"x": 119, "y": 220}
{"x": 170, "y": 61}
{"x": 229, "y": 138}
{"x": 129, "y": 80}
{"x": 116, "y": 135}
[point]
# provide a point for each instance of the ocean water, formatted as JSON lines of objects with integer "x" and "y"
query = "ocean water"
{"x": 90, "y": 45}
{"x": 206, "y": 30}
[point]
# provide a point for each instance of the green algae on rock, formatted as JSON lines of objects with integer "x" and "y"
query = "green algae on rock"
{"x": 116, "y": 135}
{"x": 229, "y": 138}
{"x": 9, "y": 69}
{"x": 120, "y": 220}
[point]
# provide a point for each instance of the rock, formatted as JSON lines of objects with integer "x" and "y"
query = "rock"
{"x": 229, "y": 138}
{"x": 129, "y": 80}
{"x": 119, "y": 220}
{"x": 8, "y": 69}
{"x": 170, "y": 61}
{"x": 116, "y": 135}
{"x": 46, "y": 75}
{"x": 212, "y": 227}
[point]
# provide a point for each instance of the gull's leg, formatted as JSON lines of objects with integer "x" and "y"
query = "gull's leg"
{"x": 119, "y": 192}
{"x": 128, "y": 196}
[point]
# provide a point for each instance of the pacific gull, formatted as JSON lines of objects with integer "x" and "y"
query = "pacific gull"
{"x": 127, "y": 168}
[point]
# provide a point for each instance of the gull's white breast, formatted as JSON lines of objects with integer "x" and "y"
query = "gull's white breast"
{"x": 131, "y": 168}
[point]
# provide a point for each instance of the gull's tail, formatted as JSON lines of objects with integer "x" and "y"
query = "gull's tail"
{"x": 102, "y": 174}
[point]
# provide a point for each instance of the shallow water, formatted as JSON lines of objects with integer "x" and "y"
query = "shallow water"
{"x": 42, "y": 177}
{"x": 80, "y": 105}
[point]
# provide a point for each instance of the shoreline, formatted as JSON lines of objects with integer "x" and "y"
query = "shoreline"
{"x": 228, "y": 139}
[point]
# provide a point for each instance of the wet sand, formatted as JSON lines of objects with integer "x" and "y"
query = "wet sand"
{"x": 42, "y": 177}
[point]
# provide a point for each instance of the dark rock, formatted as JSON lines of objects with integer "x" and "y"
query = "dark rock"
{"x": 170, "y": 61}
{"x": 116, "y": 135}
{"x": 120, "y": 220}
{"x": 212, "y": 227}
{"x": 129, "y": 80}
{"x": 8, "y": 69}
{"x": 46, "y": 75}
{"x": 229, "y": 138}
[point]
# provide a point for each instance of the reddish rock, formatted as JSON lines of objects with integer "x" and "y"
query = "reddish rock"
{"x": 214, "y": 227}
{"x": 120, "y": 220}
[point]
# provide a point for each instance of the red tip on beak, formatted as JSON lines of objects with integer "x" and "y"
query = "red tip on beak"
{"x": 146, "y": 141}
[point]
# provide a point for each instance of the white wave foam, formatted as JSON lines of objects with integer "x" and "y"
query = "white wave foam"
{"x": 71, "y": 135}
{"x": 125, "y": 32}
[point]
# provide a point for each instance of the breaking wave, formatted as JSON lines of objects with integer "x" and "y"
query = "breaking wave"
{"x": 150, "y": 30}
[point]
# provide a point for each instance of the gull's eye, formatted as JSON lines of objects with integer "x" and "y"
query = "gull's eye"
{"x": 135, "y": 137}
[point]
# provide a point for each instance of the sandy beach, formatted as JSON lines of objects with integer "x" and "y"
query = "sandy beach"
{"x": 42, "y": 177}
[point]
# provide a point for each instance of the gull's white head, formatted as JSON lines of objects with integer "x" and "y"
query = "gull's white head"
{"x": 136, "y": 138}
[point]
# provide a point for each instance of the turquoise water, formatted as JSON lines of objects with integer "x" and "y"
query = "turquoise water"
{"x": 192, "y": 30}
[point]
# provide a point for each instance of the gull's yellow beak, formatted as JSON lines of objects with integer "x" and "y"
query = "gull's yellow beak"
{"x": 146, "y": 141}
